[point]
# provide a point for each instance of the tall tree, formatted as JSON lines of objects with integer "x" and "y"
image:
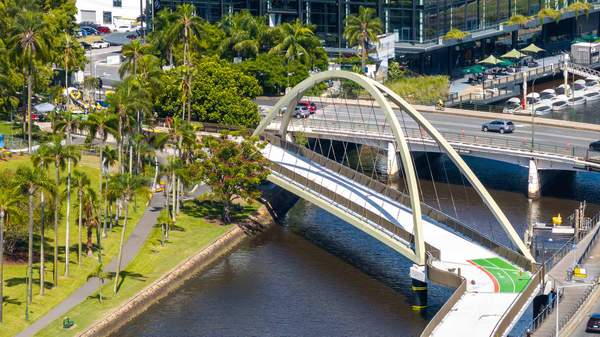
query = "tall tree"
{"x": 132, "y": 52}
{"x": 42, "y": 160}
{"x": 361, "y": 30}
{"x": 72, "y": 53}
{"x": 9, "y": 205}
{"x": 243, "y": 33}
{"x": 295, "y": 39}
{"x": 128, "y": 185}
{"x": 29, "y": 43}
{"x": 81, "y": 182}
{"x": 30, "y": 180}
{"x": 233, "y": 170}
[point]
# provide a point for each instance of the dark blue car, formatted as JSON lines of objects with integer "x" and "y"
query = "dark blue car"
{"x": 593, "y": 324}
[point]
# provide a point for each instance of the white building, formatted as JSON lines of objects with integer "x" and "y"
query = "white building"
{"x": 109, "y": 12}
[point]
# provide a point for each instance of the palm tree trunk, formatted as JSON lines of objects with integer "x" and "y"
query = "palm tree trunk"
{"x": 56, "y": 202}
{"x": 178, "y": 197}
{"x": 119, "y": 259}
{"x": 68, "y": 216}
{"x": 174, "y": 187}
{"x": 29, "y": 256}
{"x": 29, "y": 90}
{"x": 101, "y": 182}
{"x": 1, "y": 262}
{"x": 42, "y": 242}
{"x": 120, "y": 145}
{"x": 130, "y": 159}
{"x": 67, "y": 83}
{"x": 363, "y": 58}
{"x": 155, "y": 180}
{"x": 79, "y": 229}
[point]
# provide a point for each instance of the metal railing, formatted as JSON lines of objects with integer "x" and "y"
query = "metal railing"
{"x": 518, "y": 77}
{"x": 428, "y": 211}
{"x": 456, "y": 99}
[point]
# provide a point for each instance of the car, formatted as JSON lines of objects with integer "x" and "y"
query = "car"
{"x": 100, "y": 45}
{"x": 123, "y": 28}
{"x": 499, "y": 125}
{"x": 301, "y": 111}
{"x": 311, "y": 106}
{"x": 595, "y": 146}
{"x": 103, "y": 29}
{"x": 593, "y": 324}
{"x": 89, "y": 30}
{"x": 86, "y": 45}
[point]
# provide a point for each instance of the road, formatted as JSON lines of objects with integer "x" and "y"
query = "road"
{"x": 98, "y": 67}
{"x": 547, "y": 135}
{"x": 580, "y": 331}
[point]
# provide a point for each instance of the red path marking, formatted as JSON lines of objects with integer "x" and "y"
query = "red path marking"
{"x": 496, "y": 285}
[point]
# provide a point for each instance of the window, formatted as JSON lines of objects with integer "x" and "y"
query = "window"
{"x": 107, "y": 18}
{"x": 117, "y": 3}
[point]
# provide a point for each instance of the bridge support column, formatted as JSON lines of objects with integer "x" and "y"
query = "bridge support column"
{"x": 392, "y": 161}
{"x": 533, "y": 182}
{"x": 418, "y": 274}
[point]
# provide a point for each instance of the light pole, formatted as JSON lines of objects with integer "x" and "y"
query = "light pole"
{"x": 558, "y": 288}
{"x": 532, "y": 115}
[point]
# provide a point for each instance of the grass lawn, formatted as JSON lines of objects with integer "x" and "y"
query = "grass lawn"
{"x": 421, "y": 89}
{"x": 14, "y": 274}
{"x": 7, "y": 128}
{"x": 191, "y": 233}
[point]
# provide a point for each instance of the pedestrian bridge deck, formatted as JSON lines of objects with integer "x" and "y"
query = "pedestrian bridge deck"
{"x": 492, "y": 282}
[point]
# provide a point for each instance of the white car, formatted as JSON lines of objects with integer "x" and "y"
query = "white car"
{"x": 100, "y": 45}
{"x": 124, "y": 28}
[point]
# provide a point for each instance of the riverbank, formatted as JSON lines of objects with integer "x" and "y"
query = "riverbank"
{"x": 196, "y": 242}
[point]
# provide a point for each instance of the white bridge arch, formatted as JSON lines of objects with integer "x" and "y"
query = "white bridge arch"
{"x": 383, "y": 95}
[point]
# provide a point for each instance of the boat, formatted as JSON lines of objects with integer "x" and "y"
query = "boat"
{"x": 591, "y": 83}
{"x": 576, "y": 100}
{"x": 560, "y": 103}
{"x": 562, "y": 89}
{"x": 543, "y": 110}
{"x": 592, "y": 96}
{"x": 532, "y": 98}
{"x": 547, "y": 94}
{"x": 579, "y": 86}
{"x": 512, "y": 105}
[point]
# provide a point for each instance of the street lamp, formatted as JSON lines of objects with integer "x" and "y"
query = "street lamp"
{"x": 558, "y": 288}
{"x": 532, "y": 115}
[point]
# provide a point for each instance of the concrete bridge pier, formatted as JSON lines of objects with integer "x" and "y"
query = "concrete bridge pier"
{"x": 533, "y": 182}
{"x": 392, "y": 162}
{"x": 418, "y": 274}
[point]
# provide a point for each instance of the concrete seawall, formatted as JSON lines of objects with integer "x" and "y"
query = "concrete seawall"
{"x": 170, "y": 281}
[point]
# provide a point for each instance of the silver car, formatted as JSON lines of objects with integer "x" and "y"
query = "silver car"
{"x": 501, "y": 126}
{"x": 301, "y": 111}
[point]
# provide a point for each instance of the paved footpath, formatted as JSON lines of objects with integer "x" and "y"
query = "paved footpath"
{"x": 130, "y": 249}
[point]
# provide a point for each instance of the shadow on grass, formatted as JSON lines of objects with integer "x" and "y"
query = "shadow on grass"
{"x": 127, "y": 274}
{"x": 213, "y": 210}
{"x": 13, "y": 301}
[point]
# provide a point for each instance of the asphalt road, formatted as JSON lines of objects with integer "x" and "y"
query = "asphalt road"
{"x": 98, "y": 67}
{"x": 547, "y": 135}
{"x": 580, "y": 331}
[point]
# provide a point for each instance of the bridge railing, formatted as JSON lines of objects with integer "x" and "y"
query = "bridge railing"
{"x": 428, "y": 211}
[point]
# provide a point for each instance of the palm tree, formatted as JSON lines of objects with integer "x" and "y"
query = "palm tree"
{"x": 29, "y": 42}
{"x": 101, "y": 275}
{"x": 361, "y": 30}
{"x": 90, "y": 214}
{"x": 81, "y": 182}
{"x": 70, "y": 59}
{"x": 243, "y": 34}
{"x": 9, "y": 204}
{"x": 296, "y": 38}
{"x": 30, "y": 180}
{"x": 100, "y": 124}
{"x": 59, "y": 154}
{"x": 66, "y": 124}
{"x": 128, "y": 185}
{"x": 187, "y": 27}
{"x": 132, "y": 52}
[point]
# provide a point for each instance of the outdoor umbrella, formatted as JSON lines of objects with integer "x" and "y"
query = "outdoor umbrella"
{"x": 504, "y": 63}
{"x": 44, "y": 107}
{"x": 475, "y": 69}
{"x": 490, "y": 60}
{"x": 532, "y": 48}
{"x": 513, "y": 54}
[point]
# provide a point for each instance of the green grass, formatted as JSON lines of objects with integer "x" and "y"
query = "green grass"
{"x": 7, "y": 128}
{"x": 421, "y": 89}
{"x": 510, "y": 279}
{"x": 14, "y": 274}
{"x": 190, "y": 234}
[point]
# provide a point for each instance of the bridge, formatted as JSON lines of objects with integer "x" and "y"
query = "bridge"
{"x": 488, "y": 276}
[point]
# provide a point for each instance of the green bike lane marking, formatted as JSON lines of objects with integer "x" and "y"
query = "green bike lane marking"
{"x": 506, "y": 277}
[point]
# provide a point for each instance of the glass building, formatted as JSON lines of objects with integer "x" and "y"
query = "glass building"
{"x": 420, "y": 25}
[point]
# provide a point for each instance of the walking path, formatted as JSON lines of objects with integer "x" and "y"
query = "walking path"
{"x": 130, "y": 249}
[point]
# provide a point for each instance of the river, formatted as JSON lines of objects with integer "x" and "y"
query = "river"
{"x": 317, "y": 276}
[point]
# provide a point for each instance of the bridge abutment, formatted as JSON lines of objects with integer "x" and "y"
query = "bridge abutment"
{"x": 418, "y": 275}
{"x": 533, "y": 181}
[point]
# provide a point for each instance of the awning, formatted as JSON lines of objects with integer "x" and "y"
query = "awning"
{"x": 513, "y": 54}
{"x": 532, "y": 48}
{"x": 505, "y": 63}
{"x": 491, "y": 60}
{"x": 44, "y": 107}
{"x": 474, "y": 69}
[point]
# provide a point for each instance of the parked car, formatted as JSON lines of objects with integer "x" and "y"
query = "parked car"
{"x": 311, "y": 106}
{"x": 593, "y": 324}
{"x": 100, "y": 45}
{"x": 103, "y": 30}
{"x": 595, "y": 146}
{"x": 501, "y": 126}
{"x": 124, "y": 28}
{"x": 90, "y": 30}
{"x": 86, "y": 45}
{"x": 301, "y": 111}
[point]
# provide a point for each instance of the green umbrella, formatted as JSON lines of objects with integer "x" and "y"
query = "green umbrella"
{"x": 491, "y": 60}
{"x": 475, "y": 69}
{"x": 532, "y": 48}
{"x": 513, "y": 54}
{"x": 505, "y": 63}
